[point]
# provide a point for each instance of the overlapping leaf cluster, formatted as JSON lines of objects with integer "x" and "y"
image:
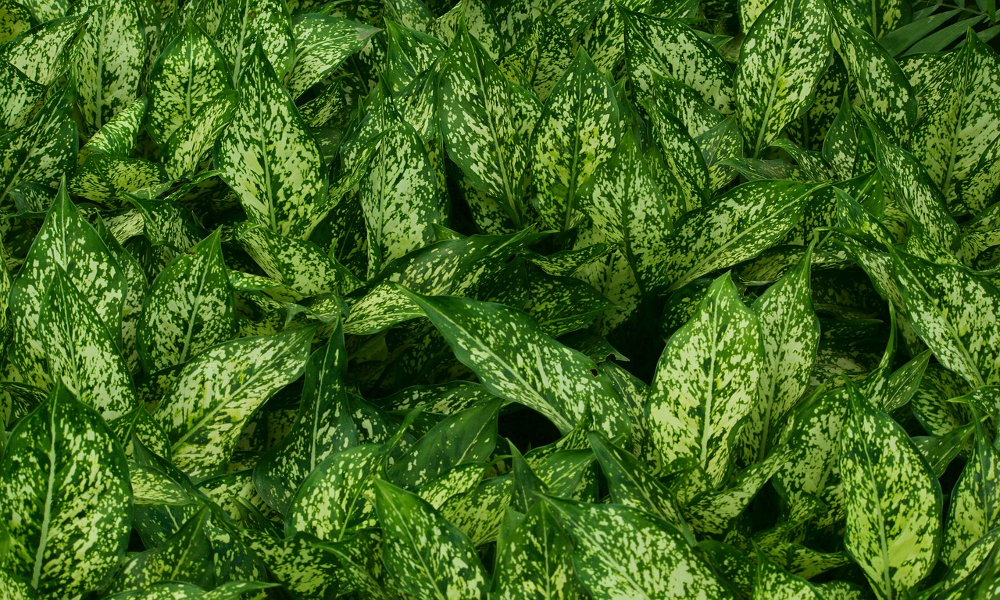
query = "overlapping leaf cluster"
{"x": 513, "y": 299}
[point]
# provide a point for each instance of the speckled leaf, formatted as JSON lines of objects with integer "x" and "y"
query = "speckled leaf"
{"x": 81, "y": 352}
{"x": 65, "y": 498}
{"x": 734, "y": 227}
{"x": 790, "y": 334}
{"x": 250, "y": 24}
{"x": 40, "y": 54}
{"x": 322, "y": 43}
{"x": 15, "y": 19}
{"x": 955, "y": 312}
{"x": 192, "y": 141}
{"x": 105, "y": 179}
{"x": 706, "y": 382}
{"x": 538, "y": 61}
{"x": 535, "y": 559}
{"x": 476, "y": 16}
{"x": 479, "y": 512}
{"x": 515, "y": 360}
{"x": 399, "y": 196}
{"x": 893, "y": 501}
{"x": 108, "y": 59}
{"x": 187, "y": 557}
{"x": 774, "y": 582}
{"x": 188, "y": 75}
{"x": 578, "y": 130}
{"x": 680, "y": 155}
{"x": 67, "y": 241}
{"x": 322, "y": 425}
{"x": 485, "y": 121}
{"x": 428, "y": 556}
{"x": 782, "y": 59}
{"x": 333, "y": 499}
{"x": 974, "y": 509}
{"x": 22, "y": 97}
{"x": 976, "y": 191}
{"x": 616, "y": 548}
{"x": 218, "y": 391}
{"x": 672, "y": 48}
{"x": 41, "y": 152}
{"x": 189, "y": 308}
{"x": 975, "y": 571}
{"x": 270, "y": 158}
{"x": 961, "y": 117}
{"x": 118, "y": 136}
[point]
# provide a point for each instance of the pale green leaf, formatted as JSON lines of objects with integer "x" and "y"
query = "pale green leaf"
{"x": 974, "y": 509}
{"x": 322, "y": 43}
{"x": 535, "y": 559}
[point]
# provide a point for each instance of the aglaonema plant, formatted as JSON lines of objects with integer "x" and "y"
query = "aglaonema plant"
{"x": 499, "y": 299}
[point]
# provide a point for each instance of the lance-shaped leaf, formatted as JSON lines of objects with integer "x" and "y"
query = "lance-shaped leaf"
{"x": 961, "y": 117}
{"x": 976, "y": 190}
{"x": 105, "y": 178}
{"x": 40, "y": 54}
{"x": 666, "y": 47}
{"x": 22, "y": 97}
{"x": 323, "y": 425}
{"x": 734, "y": 227}
{"x": 680, "y": 155}
{"x": 535, "y": 560}
{"x": 974, "y": 574}
{"x": 881, "y": 84}
{"x": 187, "y": 556}
{"x": 774, "y": 582}
{"x": 192, "y": 141}
{"x": 189, "y": 74}
{"x": 333, "y": 498}
{"x": 65, "y": 498}
{"x": 118, "y": 136}
{"x": 622, "y": 553}
{"x": 249, "y": 24}
{"x": 975, "y": 500}
{"x": 706, "y": 382}
{"x": 468, "y": 436}
{"x": 515, "y": 360}
{"x": 189, "y": 308}
{"x": 955, "y": 312}
{"x": 790, "y": 333}
{"x": 578, "y": 130}
{"x": 41, "y": 152}
{"x": 781, "y": 61}
{"x": 399, "y": 196}
{"x": 893, "y": 501}
{"x": 269, "y": 157}
{"x": 81, "y": 351}
{"x": 441, "y": 565}
{"x": 108, "y": 59}
{"x": 485, "y": 121}
{"x": 218, "y": 391}
{"x": 322, "y": 43}
{"x": 67, "y": 241}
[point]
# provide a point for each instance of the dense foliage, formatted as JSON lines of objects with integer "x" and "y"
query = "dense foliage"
{"x": 515, "y": 299}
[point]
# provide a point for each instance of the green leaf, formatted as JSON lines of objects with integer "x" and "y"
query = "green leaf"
{"x": 322, "y": 43}
{"x": 515, "y": 360}
{"x": 774, "y": 582}
{"x": 187, "y": 557}
{"x": 485, "y": 121}
{"x": 706, "y": 382}
{"x": 65, "y": 498}
{"x": 189, "y": 308}
{"x": 621, "y": 553}
{"x": 41, "y": 152}
{"x": 188, "y": 75}
{"x": 732, "y": 228}
{"x": 781, "y": 61}
{"x": 442, "y": 565}
{"x": 893, "y": 501}
{"x": 118, "y": 136}
{"x": 974, "y": 509}
{"x": 218, "y": 391}
{"x": 270, "y": 158}
{"x": 955, "y": 312}
{"x": 106, "y": 178}
{"x": 108, "y": 59}
{"x": 535, "y": 559}
{"x": 40, "y": 54}
{"x": 250, "y": 24}
{"x": 578, "y": 130}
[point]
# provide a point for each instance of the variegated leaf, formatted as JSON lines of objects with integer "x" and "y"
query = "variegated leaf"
{"x": 680, "y": 155}
{"x": 774, "y": 582}
{"x": 269, "y": 157}
{"x": 734, "y": 227}
{"x": 479, "y": 512}
{"x": 790, "y": 334}
{"x": 189, "y": 308}
{"x": 65, "y": 499}
{"x": 218, "y": 391}
{"x": 41, "y": 152}
{"x": 193, "y": 140}
{"x": 250, "y": 24}
{"x": 108, "y": 59}
{"x": 22, "y": 97}
{"x": 41, "y": 53}
{"x": 955, "y": 312}
{"x": 893, "y": 501}
{"x": 781, "y": 61}
{"x": 616, "y": 548}
{"x": 538, "y": 61}
{"x": 118, "y": 136}
{"x": 535, "y": 559}
{"x": 322, "y": 43}
{"x": 515, "y": 360}
{"x": 187, "y": 557}
{"x": 428, "y": 556}
{"x": 399, "y": 196}
{"x": 188, "y": 75}
{"x": 706, "y": 382}
{"x": 672, "y": 48}
{"x": 477, "y": 18}
{"x": 975, "y": 501}
{"x": 485, "y": 121}
{"x": 105, "y": 179}
{"x": 578, "y": 130}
